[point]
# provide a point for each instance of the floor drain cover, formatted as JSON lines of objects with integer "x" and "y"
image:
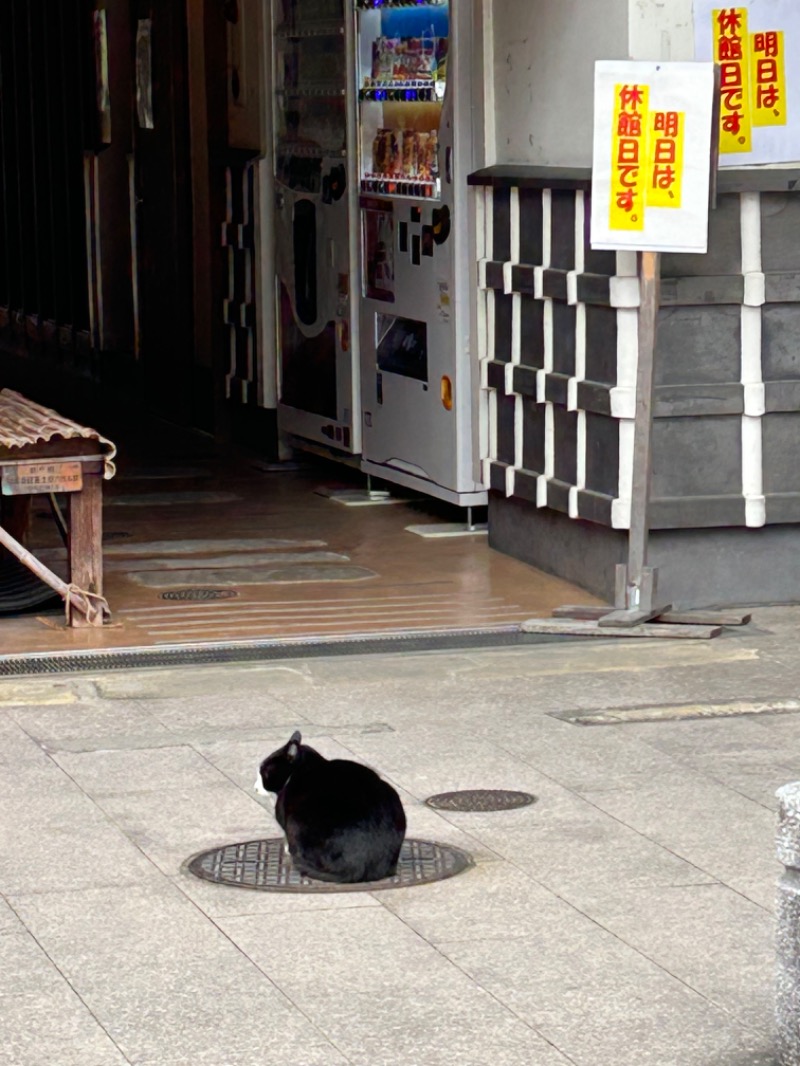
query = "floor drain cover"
{"x": 480, "y": 799}
{"x": 264, "y": 865}
{"x": 199, "y": 594}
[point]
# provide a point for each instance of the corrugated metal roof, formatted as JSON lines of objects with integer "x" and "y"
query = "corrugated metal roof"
{"x": 23, "y": 423}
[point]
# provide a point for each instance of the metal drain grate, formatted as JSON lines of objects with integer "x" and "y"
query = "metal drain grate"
{"x": 272, "y": 650}
{"x": 480, "y": 799}
{"x": 264, "y": 865}
{"x": 199, "y": 594}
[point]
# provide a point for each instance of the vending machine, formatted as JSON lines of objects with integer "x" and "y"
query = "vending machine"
{"x": 419, "y": 383}
{"x": 316, "y": 222}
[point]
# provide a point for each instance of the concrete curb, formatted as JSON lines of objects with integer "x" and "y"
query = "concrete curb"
{"x": 787, "y": 1004}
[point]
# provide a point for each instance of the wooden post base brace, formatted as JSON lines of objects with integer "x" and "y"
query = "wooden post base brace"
{"x": 636, "y": 614}
{"x": 635, "y": 598}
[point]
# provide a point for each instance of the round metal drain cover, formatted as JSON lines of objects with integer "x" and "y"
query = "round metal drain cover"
{"x": 480, "y": 799}
{"x": 199, "y": 594}
{"x": 264, "y": 865}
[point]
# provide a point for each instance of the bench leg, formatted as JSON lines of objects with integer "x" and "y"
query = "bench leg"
{"x": 86, "y": 540}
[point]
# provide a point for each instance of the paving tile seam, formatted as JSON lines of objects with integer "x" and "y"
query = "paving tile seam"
{"x": 733, "y": 1012}
{"x": 249, "y": 793}
{"x": 115, "y": 823}
{"x": 66, "y": 980}
{"x": 583, "y": 796}
{"x": 599, "y": 924}
{"x": 302, "y": 721}
{"x": 282, "y": 993}
{"x": 507, "y": 1008}
{"x": 66, "y": 890}
{"x": 657, "y": 843}
{"x": 737, "y": 790}
{"x": 454, "y": 676}
{"x": 569, "y": 902}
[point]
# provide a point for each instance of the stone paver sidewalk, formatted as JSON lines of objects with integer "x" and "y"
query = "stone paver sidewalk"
{"x": 624, "y": 919}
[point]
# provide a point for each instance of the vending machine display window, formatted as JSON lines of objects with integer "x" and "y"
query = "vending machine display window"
{"x": 311, "y": 116}
{"x": 402, "y": 82}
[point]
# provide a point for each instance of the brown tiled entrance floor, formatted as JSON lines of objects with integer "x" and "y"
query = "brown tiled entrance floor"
{"x": 281, "y": 560}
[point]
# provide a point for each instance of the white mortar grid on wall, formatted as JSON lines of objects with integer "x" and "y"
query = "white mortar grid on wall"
{"x": 751, "y": 367}
{"x": 580, "y": 354}
{"x": 483, "y": 210}
{"x": 548, "y": 340}
{"x": 623, "y": 395}
{"x": 490, "y": 326}
{"x": 516, "y": 332}
{"x": 247, "y": 253}
{"x": 231, "y": 373}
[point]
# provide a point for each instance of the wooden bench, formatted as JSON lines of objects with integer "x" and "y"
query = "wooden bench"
{"x": 42, "y": 452}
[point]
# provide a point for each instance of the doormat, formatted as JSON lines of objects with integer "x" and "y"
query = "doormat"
{"x": 170, "y": 499}
{"x": 293, "y": 574}
{"x": 202, "y": 595}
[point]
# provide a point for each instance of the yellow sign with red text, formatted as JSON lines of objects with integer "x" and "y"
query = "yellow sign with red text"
{"x": 647, "y": 157}
{"x": 752, "y": 70}
{"x": 628, "y": 157}
{"x": 768, "y": 78}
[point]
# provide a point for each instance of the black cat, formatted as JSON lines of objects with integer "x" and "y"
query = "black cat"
{"x": 342, "y": 822}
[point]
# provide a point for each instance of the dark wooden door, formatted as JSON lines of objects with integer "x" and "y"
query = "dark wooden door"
{"x": 162, "y": 179}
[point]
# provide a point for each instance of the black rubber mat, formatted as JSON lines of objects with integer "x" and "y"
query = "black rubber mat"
{"x": 21, "y": 590}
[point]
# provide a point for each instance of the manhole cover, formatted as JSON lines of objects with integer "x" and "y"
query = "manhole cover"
{"x": 480, "y": 799}
{"x": 264, "y": 865}
{"x": 199, "y": 594}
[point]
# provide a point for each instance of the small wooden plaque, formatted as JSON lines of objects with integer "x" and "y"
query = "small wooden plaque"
{"x": 25, "y": 479}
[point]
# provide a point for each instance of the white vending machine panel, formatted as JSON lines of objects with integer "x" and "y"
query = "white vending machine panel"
{"x": 315, "y": 213}
{"x": 419, "y": 367}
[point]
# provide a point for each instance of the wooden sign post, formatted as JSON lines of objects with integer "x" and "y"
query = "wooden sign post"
{"x": 636, "y": 583}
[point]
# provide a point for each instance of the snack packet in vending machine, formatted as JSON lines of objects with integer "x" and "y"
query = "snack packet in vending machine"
{"x": 410, "y": 154}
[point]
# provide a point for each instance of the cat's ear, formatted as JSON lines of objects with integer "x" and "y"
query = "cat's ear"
{"x": 293, "y": 747}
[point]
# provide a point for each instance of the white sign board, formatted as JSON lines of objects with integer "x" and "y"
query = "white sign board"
{"x": 759, "y": 86}
{"x": 652, "y": 155}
